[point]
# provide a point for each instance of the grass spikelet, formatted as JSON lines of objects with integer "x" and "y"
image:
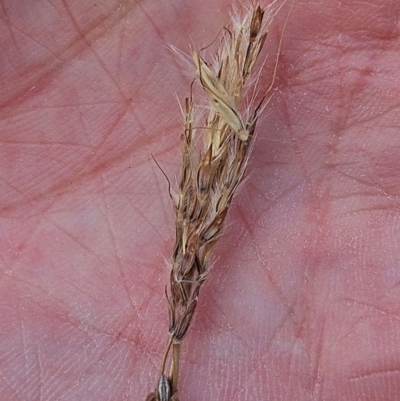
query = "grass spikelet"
{"x": 214, "y": 158}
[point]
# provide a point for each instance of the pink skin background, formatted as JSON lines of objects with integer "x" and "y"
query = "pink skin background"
{"x": 303, "y": 302}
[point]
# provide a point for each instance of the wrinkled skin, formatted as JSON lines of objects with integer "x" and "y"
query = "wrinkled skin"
{"x": 304, "y": 299}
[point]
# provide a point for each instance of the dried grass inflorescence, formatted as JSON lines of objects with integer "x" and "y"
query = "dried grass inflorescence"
{"x": 215, "y": 150}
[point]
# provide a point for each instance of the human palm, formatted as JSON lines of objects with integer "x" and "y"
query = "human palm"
{"x": 303, "y": 299}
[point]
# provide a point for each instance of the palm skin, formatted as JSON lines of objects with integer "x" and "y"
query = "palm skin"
{"x": 303, "y": 300}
